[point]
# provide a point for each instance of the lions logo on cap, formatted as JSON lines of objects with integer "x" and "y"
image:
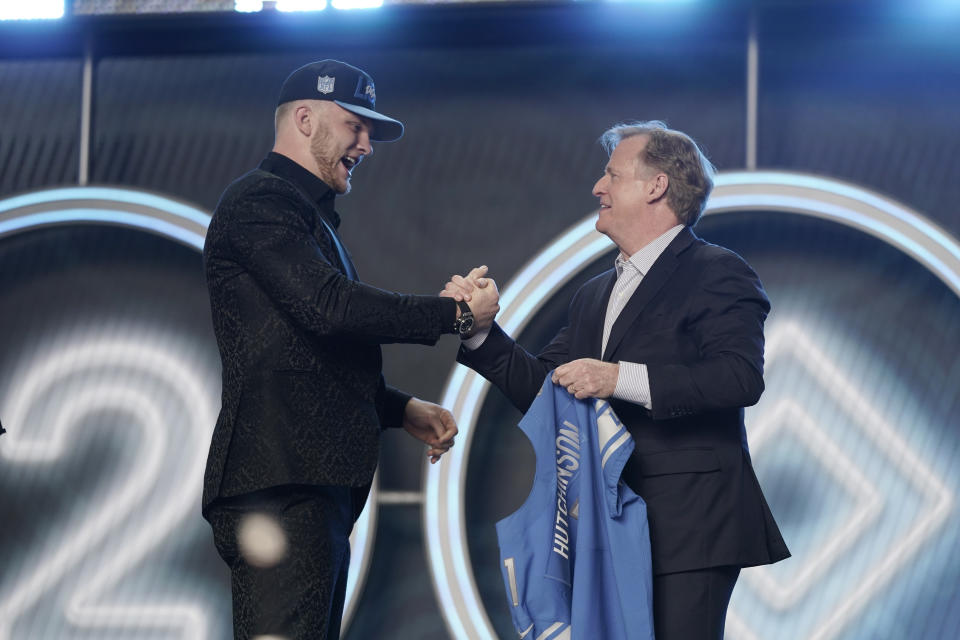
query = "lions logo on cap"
{"x": 325, "y": 84}
{"x": 365, "y": 90}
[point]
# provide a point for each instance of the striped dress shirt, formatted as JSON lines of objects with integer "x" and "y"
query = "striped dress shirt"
{"x": 633, "y": 383}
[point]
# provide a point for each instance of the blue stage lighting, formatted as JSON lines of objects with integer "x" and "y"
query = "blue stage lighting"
{"x": 248, "y": 6}
{"x": 34, "y": 10}
{"x": 357, "y": 4}
{"x": 943, "y": 8}
{"x": 651, "y": 1}
{"x": 301, "y": 5}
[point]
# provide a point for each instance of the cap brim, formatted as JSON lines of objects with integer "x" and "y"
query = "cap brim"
{"x": 384, "y": 129}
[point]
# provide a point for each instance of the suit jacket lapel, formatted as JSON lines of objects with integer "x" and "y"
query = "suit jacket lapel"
{"x": 652, "y": 282}
{"x": 592, "y": 322}
{"x": 349, "y": 269}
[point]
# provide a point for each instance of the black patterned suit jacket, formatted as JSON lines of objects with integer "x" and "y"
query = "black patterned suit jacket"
{"x": 303, "y": 400}
{"x": 696, "y": 321}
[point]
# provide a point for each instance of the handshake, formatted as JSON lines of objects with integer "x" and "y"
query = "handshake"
{"x": 480, "y": 293}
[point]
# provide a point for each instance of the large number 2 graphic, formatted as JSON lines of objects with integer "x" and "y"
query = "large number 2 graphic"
{"x": 171, "y": 410}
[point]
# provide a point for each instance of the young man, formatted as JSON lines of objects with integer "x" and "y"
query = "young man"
{"x": 304, "y": 400}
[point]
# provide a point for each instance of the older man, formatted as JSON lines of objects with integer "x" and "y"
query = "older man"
{"x": 304, "y": 400}
{"x": 673, "y": 335}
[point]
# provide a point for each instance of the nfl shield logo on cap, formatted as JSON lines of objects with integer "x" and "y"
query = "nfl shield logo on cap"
{"x": 345, "y": 85}
{"x": 325, "y": 84}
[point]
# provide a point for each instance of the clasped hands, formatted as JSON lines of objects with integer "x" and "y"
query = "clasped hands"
{"x": 583, "y": 378}
{"x": 429, "y": 422}
{"x": 479, "y": 292}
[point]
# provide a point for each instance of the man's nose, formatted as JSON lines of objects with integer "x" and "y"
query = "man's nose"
{"x": 600, "y": 187}
{"x": 364, "y": 144}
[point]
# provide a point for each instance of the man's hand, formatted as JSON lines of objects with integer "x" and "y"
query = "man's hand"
{"x": 479, "y": 292}
{"x": 432, "y": 424}
{"x": 588, "y": 378}
{"x": 461, "y": 287}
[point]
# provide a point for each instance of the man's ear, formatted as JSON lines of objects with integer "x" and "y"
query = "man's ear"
{"x": 303, "y": 119}
{"x": 657, "y": 187}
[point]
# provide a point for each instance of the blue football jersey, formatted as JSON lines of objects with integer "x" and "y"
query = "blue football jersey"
{"x": 576, "y": 556}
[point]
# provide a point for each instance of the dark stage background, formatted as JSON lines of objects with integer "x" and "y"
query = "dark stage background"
{"x": 503, "y": 105}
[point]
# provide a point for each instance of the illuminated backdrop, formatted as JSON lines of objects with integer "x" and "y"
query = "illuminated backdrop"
{"x": 105, "y": 331}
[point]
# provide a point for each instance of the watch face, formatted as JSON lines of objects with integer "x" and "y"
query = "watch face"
{"x": 466, "y": 324}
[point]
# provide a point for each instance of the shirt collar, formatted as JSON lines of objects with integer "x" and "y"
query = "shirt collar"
{"x": 642, "y": 260}
{"x": 313, "y": 187}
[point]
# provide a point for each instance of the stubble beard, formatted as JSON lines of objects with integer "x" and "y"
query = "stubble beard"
{"x": 324, "y": 152}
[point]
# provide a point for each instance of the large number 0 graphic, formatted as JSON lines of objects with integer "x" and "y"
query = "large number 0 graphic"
{"x": 156, "y": 397}
{"x": 779, "y": 607}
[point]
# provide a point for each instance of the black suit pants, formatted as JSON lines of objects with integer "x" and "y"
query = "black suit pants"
{"x": 300, "y": 596}
{"x": 692, "y": 605}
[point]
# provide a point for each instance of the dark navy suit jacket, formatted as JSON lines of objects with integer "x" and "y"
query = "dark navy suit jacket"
{"x": 696, "y": 321}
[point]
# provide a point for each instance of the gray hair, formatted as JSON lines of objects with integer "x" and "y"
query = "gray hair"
{"x": 674, "y": 153}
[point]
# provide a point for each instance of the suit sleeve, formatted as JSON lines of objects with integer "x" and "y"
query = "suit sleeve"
{"x": 271, "y": 239}
{"x": 391, "y": 405}
{"x": 515, "y": 371}
{"x": 726, "y": 322}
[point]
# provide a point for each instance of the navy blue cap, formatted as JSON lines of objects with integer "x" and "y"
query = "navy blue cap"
{"x": 347, "y": 86}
